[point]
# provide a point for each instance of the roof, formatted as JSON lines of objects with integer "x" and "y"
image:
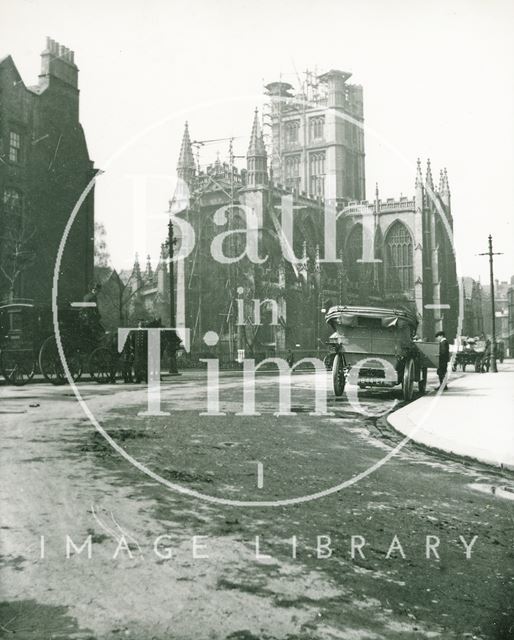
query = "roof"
{"x": 369, "y": 312}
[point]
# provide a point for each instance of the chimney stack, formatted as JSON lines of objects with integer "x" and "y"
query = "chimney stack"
{"x": 57, "y": 61}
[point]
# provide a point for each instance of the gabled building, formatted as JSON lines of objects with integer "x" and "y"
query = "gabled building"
{"x": 44, "y": 168}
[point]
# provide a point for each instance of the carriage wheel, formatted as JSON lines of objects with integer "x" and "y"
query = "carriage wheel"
{"x": 16, "y": 368}
{"x": 51, "y": 365}
{"x": 338, "y": 378}
{"x": 408, "y": 380}
{"x": 102, "y": 365}
{"x": 422, "y": 384}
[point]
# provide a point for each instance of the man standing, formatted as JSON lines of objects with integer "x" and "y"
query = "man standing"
{"x": 90, "y": 314}
{"x": 444, "y": 358}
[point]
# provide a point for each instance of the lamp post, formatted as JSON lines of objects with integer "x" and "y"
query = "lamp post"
{"x": 490, "y": 253}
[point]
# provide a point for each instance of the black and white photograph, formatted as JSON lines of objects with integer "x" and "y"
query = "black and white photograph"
{"x": 256, "y": 320}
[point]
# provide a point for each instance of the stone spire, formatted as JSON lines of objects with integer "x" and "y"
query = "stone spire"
{"x": 446, "y": 185}
{"x": 256, "y": 156}
{"x": 444, "y": 191}
{"x": 429, "y": 182}
{"x": 186, "y": 161}
{"x": 148, "y": 271}
{"x": 441, "y": 181}
{"x": 419, "y": 175}
{"x": 256, "y": 146}
{"x": 136, "y": 270}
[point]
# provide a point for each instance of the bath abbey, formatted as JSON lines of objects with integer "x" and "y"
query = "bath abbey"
{"x": 304, "y": 163}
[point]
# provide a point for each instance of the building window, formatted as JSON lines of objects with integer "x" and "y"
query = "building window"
{"x": 317, "y": 173}
{"x": 14, "y": 146}
{"x": 292, "y": 171}
{"x": 317, "y": 128}
{"x": 292, "y": 166}
{"x": 399, "y": 259}
{"x": 12, "y": 201}
{"x": 291, "y": 130}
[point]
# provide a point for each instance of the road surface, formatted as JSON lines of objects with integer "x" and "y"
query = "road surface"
{"x": 93, "y": 547}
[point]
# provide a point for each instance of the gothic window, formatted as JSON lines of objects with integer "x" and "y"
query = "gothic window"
{"x": 14, "y": 146}
{"x": 292, "y": 171}
{"x": 12, "y": 201}
{"x": 399, "y": 259}
{"x": 316, "y": 128}
{"x": 354, "y": 253}
{"x": 292, "y": 128}
{"x": 317, "y": 173}
{"x": 292, "y": 166}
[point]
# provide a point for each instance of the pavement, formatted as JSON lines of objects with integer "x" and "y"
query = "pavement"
{"x": 473, "y": 418}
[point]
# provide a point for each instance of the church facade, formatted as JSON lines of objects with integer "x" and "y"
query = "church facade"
{"x": 394, "y": 252}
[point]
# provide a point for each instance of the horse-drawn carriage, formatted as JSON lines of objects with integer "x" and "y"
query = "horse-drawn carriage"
{"x": 376, "y": 347}
{"x": 470, "y": 353}
{"x": 28, "y": 344}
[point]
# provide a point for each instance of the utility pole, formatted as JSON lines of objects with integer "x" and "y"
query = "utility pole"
{"x": 493, "y": 368}
{"x": 173, "y": 336}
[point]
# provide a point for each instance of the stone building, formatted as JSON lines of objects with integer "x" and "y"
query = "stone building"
{"x": 44, "y": 168}
{"x": 393, "y": 252}
{"x": 501, "y": 310}
{"x": 317, "y": 135}
{"x": 473, "y": 319}
{"x": 133, "y": 295}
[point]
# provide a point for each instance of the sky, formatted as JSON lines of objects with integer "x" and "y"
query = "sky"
{"x": 438, "y": 81}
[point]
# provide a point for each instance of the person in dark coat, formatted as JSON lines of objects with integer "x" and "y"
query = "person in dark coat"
{"x": 444, "y": 358}
{"x": 90, "y": 316}
{"x": 486, "y": 358}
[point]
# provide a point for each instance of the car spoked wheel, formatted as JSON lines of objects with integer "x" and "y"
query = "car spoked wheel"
{"x": 51, "y": 366}
{"x": 102, "y": 367}
{"x": 338, "y": 376}
{"x": 17, "y": 369}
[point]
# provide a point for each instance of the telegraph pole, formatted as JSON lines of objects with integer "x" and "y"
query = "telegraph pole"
{"x": 173, "y": 336}
{"x": 490, "y": 253}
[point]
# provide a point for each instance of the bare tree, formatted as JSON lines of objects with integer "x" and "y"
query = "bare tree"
{"x": 102, "y": 256}
{"x": 17, "y": 251}
{"x": 117, "y": 298}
